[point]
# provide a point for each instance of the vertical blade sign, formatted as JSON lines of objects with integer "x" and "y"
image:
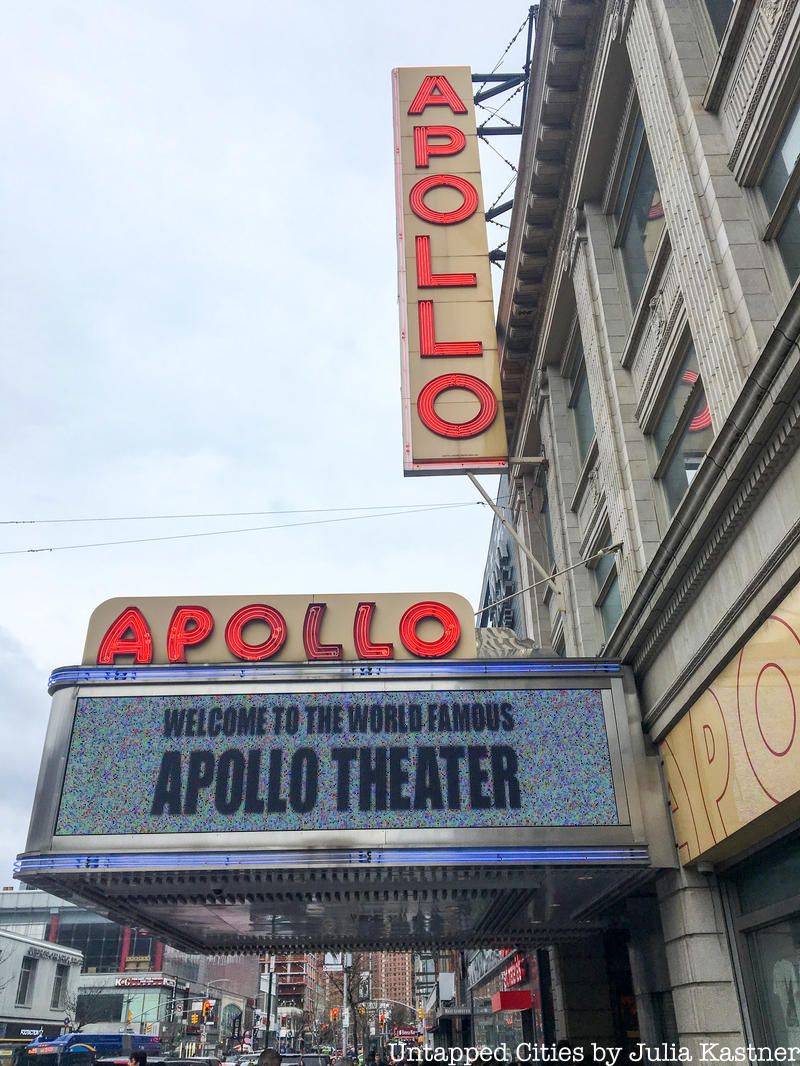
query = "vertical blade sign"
{"x": 452, "y": 413}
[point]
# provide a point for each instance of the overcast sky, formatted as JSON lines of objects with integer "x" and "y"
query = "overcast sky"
{"x": 199, "y": 314}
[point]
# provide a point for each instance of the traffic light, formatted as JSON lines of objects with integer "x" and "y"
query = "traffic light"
{"x": 420, "y": 1013}
{"x": 209, "y": 1011}
{"x": 382, "y": 1017}
{"x": 334, "y": 1014}
{"x": 195, "y": 1018}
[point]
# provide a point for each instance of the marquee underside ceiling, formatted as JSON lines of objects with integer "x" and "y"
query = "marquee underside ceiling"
{"x": 216, "y": 911}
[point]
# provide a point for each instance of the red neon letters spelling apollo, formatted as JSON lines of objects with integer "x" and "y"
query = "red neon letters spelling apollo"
{"x": 452, "y": 415}
{"x": 288, "y": 629}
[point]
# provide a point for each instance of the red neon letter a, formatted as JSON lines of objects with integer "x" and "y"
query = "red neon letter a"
{"x": 436, "y": 91}
{"x": 117, "y": 641}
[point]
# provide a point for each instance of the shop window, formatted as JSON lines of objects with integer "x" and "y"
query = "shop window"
{"x": 638, "y": 212}
{"x": 581, "y": 404}
{"x": 780, "y": 188}
{"x": 59, "y": 987}
{"x": 683, "y": 433}
{"x": 764, "y": 894}
{"x": 719, "y": 11}
{"x": 27, "y": 977}
{"x": 97, "y": 1007}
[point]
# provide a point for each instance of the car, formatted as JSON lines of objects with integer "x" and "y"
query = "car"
{"x": 248, "y": 1058}
{"x": 193, "y": 1060}
{"x": 294, "y": 1058}
{"x": 122, "y": 1060}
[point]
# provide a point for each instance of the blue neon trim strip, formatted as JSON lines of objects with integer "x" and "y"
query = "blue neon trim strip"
{"x": 438, "y": 668}
{"x": 357, "y": 857}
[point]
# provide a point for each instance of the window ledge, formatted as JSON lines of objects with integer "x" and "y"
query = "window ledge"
{"x": 585, "y": 475}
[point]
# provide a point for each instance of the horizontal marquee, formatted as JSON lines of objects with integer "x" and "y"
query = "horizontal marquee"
{"x": 337, "y": 761}
{"x": 452, "y": 410}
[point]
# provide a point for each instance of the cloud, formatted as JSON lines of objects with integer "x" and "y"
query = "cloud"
{"x": 198, "y": 308}
{"x": 24, "y": 723}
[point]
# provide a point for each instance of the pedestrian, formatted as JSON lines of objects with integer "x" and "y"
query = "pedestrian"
{"x": 138, "y": 1058}
{"x": 269, "y": 1057}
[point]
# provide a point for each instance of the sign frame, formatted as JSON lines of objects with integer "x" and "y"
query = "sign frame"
{"x": 295, "y": 846}
{"x": 446, "y": 279}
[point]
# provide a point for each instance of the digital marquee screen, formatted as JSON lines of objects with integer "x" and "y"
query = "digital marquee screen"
{"x": 485, "y": 758}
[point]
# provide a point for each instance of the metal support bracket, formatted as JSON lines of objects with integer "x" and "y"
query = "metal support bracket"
{"x": 551, "y": 580}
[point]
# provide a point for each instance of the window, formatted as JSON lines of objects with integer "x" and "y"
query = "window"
{"x": 608, "y": 602}
{"x": 638, "y": 211}
{"x": 548, "y": 532}
{"x": 59, "y": 987}
{"x": 780, "y": 187}
{"x": 27, "y": 975}
{"x": 683, "y": 433}
{"x": 764, "y": 896}
{"x": 719, "y": 11}
{"x": 581, "y": 404}
{"x": 100, "y": 942}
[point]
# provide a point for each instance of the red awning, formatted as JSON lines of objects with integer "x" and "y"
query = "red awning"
{"x": 515, "y": 1000}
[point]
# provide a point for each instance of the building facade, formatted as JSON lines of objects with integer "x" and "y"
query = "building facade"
{"x": 392, "y": 982}
{"x": 296, "y": 985}
{"x": 128, "y": 978}
{"x": 38, "y": 990}
{"x": 649, "y": 319}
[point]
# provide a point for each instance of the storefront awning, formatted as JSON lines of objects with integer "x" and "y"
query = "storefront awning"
{"x": 511, "y": 1000}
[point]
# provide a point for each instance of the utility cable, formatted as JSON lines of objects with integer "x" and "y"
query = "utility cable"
{"x": 227, "y": 532}
{"x": 557, "y": 573}
{"x": 411, "y": 507}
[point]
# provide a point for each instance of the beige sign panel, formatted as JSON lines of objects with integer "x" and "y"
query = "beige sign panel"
{"x": 452, "y": 410}
{"x": 280, "y": 629}
{"x": 736, "y": 755}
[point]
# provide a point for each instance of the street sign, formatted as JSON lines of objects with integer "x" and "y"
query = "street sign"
{"x": 179, "y": 1011}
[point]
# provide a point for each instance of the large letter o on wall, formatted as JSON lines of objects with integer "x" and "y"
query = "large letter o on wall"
{"x": 430, "y": 649}
{"x": 255, "y": 612}
{"x": 468, "y": 206}
{"x": 457, "y": 430}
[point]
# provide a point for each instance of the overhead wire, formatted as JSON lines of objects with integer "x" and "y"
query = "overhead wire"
{"x": 500, "y": 195}
{"x": 411, "y": 507}
{"x": 228, "y": 532}
{"x": 508, "y": 48}
{"x": 495, "y": 112}
{"x": 500, "y": 154}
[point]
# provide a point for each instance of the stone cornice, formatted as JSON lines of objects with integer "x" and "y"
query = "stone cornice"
{"x": 565, "y": 33}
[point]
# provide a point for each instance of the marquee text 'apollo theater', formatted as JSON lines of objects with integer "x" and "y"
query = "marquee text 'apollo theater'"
{"x": 452, "y": 412}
